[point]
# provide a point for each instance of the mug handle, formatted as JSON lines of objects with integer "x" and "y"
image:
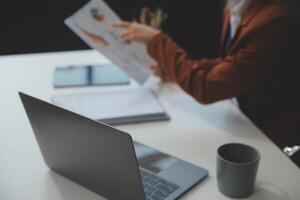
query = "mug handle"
{"x": 290, "y": 151}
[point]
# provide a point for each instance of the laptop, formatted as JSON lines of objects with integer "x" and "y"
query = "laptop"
{"x": 106, "y": 160}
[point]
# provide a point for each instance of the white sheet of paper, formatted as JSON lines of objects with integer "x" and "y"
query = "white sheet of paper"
{"x": 125, "y": 103}
{"x": 93, "y": 24}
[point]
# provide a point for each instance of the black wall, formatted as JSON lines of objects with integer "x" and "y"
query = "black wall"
{"x": 37, "y": 25}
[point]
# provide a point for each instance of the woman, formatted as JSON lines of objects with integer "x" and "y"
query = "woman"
{"x": 257, "y": 65}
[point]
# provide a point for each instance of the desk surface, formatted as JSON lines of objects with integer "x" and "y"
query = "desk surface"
{"x": 193, "y": 134}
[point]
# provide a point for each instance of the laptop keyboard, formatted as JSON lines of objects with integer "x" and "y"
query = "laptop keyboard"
{"x": 155, "y": 187}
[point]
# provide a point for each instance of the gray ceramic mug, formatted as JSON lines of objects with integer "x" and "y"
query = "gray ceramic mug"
{"x": 237, "y": 166}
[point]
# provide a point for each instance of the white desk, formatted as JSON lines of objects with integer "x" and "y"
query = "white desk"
{"x": 193, "y": 134}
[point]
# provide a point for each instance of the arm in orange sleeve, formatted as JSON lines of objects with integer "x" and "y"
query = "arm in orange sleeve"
{"x": 211, "y": 80}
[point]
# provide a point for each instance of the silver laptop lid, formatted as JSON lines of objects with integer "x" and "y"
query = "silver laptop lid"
{"x": 90, "y": 153}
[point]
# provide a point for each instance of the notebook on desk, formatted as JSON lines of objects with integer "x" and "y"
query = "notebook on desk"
{"x": 117, "y": 107}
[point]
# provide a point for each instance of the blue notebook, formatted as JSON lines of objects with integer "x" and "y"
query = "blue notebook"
{"x": 89, "y": 75}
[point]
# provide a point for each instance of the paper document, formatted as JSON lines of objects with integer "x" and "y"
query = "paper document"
{"x": 93, "y": 24}
{"x": 126, "y": 106}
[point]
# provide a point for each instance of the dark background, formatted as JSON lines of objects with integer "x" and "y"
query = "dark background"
{"x": 37, "y": 25}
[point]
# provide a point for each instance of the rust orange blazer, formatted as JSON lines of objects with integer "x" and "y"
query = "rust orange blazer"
{"x": 259, "y": 67}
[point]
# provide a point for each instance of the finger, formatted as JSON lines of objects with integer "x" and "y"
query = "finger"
{"x": 126, "y": 34}
{"x": 166, "y": 77}
{"x": 121, "y": 24}
{"x": 127, "y": 38}
{"x": 156, "y": 71}
{"x": 153, "y": 66}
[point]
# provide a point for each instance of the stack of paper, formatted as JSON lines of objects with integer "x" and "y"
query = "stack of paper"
{"x": 93, "y": 24}
{"x": 118, "y": 107}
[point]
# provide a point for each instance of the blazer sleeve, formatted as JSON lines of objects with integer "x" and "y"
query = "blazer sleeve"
{"x": 211, "y": 80}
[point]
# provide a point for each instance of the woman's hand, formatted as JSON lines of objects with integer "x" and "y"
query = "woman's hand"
{"x": 141, "y": 33}
{"x": 136, "y": 32}
{"x": 156, "y": 70}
